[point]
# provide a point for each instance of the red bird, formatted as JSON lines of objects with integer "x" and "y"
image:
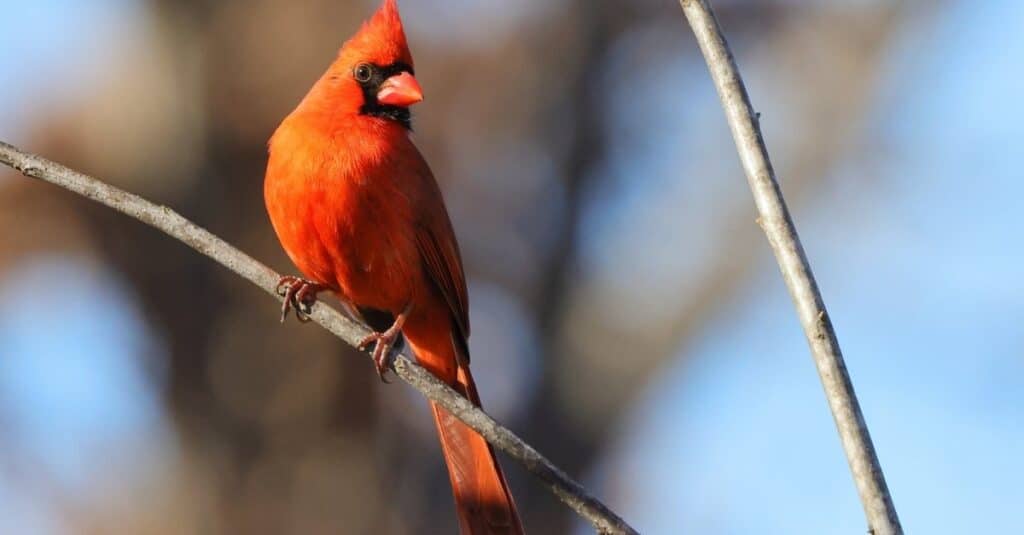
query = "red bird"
{"x": 359, "y": 212}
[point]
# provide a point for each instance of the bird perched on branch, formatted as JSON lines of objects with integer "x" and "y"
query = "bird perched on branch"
{"x": 358, "y": 211}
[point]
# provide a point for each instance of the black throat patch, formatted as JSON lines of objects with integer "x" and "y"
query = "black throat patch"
{"x": 371, "y": 86}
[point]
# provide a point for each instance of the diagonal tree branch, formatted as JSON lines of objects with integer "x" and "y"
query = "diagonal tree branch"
{"x": 163, "y": 218}
{"x": 777, "y": 224}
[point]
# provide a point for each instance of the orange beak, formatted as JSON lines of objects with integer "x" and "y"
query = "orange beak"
{"x": 400, "y": 90}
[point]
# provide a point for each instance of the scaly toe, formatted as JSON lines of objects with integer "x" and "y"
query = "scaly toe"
{"x": 285, "y": 284}
{"x": 380, "y": 360}
{"x": 367, "y": 341}
{"x": 299, "y": 294}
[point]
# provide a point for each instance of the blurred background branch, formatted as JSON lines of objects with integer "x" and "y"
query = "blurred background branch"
{"x": 778, "y": 225}
{"x": 565, "y": 488}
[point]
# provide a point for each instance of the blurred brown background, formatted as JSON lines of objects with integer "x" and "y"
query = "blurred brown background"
{"x": 603, "y": 219}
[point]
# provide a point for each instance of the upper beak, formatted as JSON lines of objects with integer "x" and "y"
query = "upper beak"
{"x": 400, "y": 90}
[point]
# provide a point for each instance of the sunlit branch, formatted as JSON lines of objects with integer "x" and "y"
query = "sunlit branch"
{"x": 569, "y": 491}
{"x": 777, "y": 224}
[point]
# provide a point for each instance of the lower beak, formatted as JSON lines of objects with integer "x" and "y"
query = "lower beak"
{"x": 400, "y": 90}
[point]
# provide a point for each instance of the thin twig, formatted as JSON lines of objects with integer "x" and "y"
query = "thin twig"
{"x": 569, "y": 491}
{"x": 778, "y": 226}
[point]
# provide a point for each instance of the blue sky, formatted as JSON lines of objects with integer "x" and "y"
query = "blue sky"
{"x": 921, "y": 272}
{"x": 41, "y": 67}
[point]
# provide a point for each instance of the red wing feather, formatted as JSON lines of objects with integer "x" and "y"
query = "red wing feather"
{"x": 444, "y": 264}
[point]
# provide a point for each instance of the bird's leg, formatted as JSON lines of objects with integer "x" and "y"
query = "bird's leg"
{"x": 299, "y": 294}
{"x": 385, "y": 341}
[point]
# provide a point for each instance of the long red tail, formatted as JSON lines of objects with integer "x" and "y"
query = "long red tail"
{"x": 483, "y": 501}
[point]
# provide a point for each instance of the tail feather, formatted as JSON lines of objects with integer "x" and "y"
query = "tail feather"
{"x": 482, "y": 498}
{"x": 483, "y": 501}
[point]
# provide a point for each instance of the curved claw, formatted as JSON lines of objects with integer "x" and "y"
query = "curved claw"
{"x": 381, "y": 351}
{"x": 299, "y": 294}
{"x": 384, "y": 342}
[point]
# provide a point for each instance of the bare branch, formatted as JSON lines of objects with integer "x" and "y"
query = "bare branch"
{"x": 778, "y": 226}
{"x": 569, "y": 491}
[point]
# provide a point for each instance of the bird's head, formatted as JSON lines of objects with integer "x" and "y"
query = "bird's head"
{"x": 373, "y": 73}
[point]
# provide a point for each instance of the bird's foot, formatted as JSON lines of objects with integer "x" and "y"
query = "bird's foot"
{"x": 299, "y": 294}
{"x": 384, "y": 341}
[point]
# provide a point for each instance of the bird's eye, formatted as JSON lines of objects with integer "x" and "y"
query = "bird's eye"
{"x": 363, "y": 73}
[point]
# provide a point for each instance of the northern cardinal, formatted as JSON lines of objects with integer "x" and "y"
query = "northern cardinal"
{"x": 359, "y": 212}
